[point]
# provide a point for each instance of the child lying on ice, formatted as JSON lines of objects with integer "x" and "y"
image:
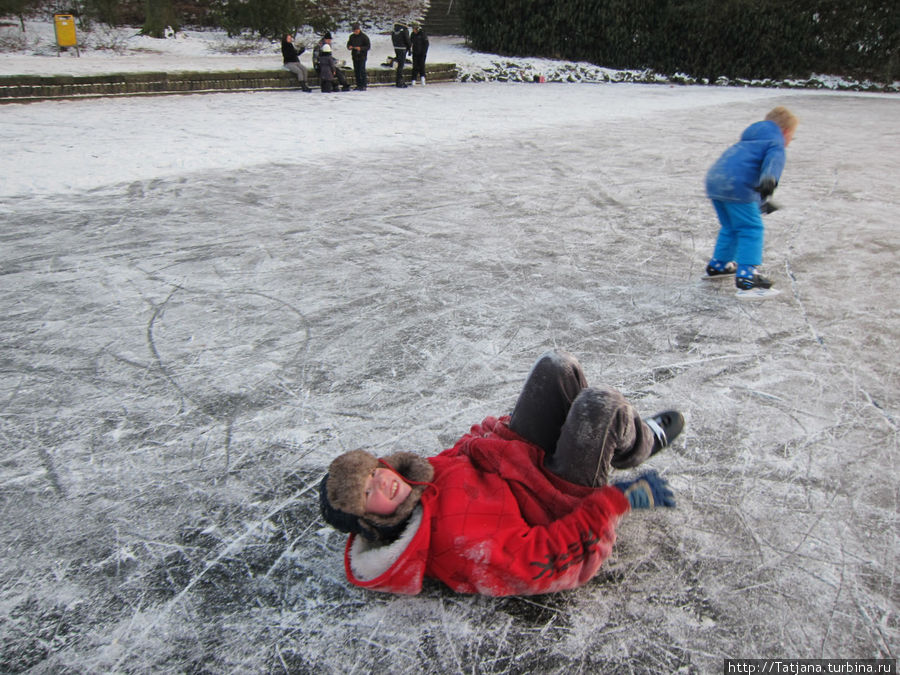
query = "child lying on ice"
{"x": 519, "y": 506}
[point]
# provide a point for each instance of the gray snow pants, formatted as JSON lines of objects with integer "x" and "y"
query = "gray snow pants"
{"x": 298, "y": 69}
{"x": 583, "y": 430}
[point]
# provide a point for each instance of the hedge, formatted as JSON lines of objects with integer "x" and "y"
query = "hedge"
{"x": 702, "y": 38}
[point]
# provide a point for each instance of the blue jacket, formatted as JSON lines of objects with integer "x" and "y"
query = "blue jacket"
{"x": 758, "y": 154}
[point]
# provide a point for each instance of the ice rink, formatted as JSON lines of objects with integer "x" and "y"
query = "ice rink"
{"x": 204, "y": 300}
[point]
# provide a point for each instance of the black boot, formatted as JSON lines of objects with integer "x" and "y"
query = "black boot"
{"x": 749, "y": 283}
{"x": 665, "y": 427}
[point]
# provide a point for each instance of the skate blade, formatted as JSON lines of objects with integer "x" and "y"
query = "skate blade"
{"x": 718, "y": 277}
{"x": 757, "y": 293}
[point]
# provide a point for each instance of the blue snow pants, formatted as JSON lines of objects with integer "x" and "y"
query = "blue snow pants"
{"x": 741, "y": 232}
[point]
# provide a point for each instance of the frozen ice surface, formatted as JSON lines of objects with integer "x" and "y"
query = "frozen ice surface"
{"x": 203, "y": 300}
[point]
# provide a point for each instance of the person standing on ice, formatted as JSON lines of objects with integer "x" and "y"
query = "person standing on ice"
{"x": 419, "y": 42}
{"x": 359, "y": 45}
{"x": 327, "y": 70}
{"x": 520, "y": 505}
{"x": 291, "y": 56}
{"x": 400, "y": 40}
{"x": 317, "y": 55}
{"x": 739, "y": 184}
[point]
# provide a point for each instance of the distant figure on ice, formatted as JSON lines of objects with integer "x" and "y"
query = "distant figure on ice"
{"x": 327, "y": 70}
{"x": 291, "y": 56}
{"x": 400, "y": 40}
{"x": 419, "y": 42}
{"x": 359, "y": 45}
{"x": 317, "y": 53}
{"x": 739, "y": 185}
{"x": 520, "y": 505}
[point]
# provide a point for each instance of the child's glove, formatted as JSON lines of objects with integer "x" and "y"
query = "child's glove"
{"x": 766, "y": 187}
{"x": 767, "y": 206}
{"x": 646, "y": 491}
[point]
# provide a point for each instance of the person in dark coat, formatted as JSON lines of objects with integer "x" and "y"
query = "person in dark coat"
{"x": 327, "y": 70}
{"x": 338, "y": 73}
{"x": 419, "y": 51}
{"x": 400, "y": 40}
{"x": 291, "y": 56}
{"x": 359, "y": 46}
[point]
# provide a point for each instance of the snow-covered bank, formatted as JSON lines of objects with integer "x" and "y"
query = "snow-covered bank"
{"x": 110, "y": 50}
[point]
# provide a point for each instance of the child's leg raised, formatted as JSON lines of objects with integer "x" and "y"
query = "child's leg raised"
{"x": 553, "y": 383}
{"x": 602, "y": 430}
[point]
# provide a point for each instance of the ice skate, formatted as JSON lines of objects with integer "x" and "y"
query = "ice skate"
{"x": 757, "y": 293}
{"x": 728, "y": 271}
{"x": 665, "y": 427}
{"x": 756, "y": 286}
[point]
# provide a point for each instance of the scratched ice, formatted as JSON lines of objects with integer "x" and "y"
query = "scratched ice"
{"x": 203, "y": 300}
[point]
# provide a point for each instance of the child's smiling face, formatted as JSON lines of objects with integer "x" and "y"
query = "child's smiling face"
{"x": 385, "y": 491}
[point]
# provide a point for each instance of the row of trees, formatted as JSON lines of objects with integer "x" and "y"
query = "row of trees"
{"x": 268, "y": 18}
{"x": 703, "y": 38}
{"x": 152, "y": 15}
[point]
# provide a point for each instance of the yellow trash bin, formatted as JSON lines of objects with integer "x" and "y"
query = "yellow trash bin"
{"x": 64, "y": 24}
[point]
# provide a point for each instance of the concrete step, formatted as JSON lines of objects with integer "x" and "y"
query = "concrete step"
{"x": 443, "y": 18}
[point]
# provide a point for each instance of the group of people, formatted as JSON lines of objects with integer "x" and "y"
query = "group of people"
{"x": 331, "y": 75}
{"x": 406, "y": 44}
{"x": 523, "y": 504}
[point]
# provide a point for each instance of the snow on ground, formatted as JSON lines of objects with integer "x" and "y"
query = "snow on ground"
{"x": 204, "y": 299}
{"x": 124, "y": 50}
{"x": 190, "y": 50}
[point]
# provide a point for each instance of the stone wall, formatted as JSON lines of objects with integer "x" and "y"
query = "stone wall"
{"x": 24, "y": 88}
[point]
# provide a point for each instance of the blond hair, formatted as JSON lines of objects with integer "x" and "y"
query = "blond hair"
{"x": 784, "y": 118}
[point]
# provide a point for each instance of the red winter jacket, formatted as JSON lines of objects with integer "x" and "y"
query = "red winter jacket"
{"x": 495, "y": 523}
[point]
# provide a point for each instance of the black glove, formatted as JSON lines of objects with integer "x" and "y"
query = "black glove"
{"x": 766, "y": 187}
{"x": 768, "y": 206}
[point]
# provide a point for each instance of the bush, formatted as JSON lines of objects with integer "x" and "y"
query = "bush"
{"x": 705, "y": 38}
{"x": 269, "y": 18}
{"x": 273, "y": 18}
{"x": 12, "y": 39}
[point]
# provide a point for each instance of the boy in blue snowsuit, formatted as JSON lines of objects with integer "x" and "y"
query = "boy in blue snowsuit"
{"x": 739, "y": 185}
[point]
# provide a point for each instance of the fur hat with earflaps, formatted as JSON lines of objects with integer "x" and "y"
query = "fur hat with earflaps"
{"x": 342, "y": 496}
